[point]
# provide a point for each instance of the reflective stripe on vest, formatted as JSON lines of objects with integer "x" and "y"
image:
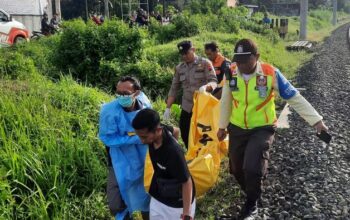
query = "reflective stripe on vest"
{"x": 249, "y": 110}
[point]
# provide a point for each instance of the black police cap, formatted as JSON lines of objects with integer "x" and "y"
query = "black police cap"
{"x": 244, "y": 49}
{"x": 184, "y": 46}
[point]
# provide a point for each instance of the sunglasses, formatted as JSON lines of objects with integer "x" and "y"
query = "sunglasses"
{"x": 125, "y": 94}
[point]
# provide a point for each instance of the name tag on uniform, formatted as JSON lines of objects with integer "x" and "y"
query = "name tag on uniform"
{"x": 233, "y": 84}
{"x": 261, "y": 86}
{"x": 131, "y": 133}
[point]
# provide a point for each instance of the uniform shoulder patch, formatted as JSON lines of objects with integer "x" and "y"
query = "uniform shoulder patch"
{"x": 207, "y": 64}
{"x": 233, "y": 69}
{"x": 267, "y": 69}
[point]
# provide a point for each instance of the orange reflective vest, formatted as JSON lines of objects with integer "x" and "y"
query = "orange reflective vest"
{"x": 219, "y": 65}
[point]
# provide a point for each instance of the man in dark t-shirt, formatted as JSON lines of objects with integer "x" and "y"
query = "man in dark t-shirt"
{"x": 172, "y": 188}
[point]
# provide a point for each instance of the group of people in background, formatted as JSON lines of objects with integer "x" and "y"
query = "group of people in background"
{"x": 98, "y": 20}
{"x": 142, "y": 18}
{"x": 50, "y": 27}
{"x": 129, "y": 128}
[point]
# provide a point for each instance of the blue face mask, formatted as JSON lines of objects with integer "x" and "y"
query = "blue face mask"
{"x": 125, "y": 101}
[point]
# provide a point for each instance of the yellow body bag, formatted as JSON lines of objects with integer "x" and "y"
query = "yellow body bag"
{"x": 205, "y": 151}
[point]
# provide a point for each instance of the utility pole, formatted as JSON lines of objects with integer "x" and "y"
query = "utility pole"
{"x": 164, "y": 5}
{"x": 335, "y": 8}
{"x": 106, "y": 8}
{"x": 303, "y": 19}
{"x": 86, "y": 10}
{"x": 58, "y": 7}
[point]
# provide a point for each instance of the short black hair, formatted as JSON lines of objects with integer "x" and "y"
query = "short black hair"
{"x": 213, "y": 46}
{"x": 135, "y": 82}
{"x": 146, "y": 118}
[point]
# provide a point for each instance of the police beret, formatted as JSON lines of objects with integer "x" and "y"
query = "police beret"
{"x": 244, "y": 49}
{"x": 184, "y": 46}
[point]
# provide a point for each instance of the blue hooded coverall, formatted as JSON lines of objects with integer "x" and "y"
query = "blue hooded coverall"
{"x": 127, "y": 153}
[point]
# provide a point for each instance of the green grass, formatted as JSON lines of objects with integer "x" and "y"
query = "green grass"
{"x": 219, "y": 199}
{"x": 53, "y": 161}
{"x": 271, "y": 51}
{"x": 319, "y": 25}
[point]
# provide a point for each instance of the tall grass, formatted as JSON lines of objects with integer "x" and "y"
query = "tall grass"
{"x": 50, "y": 156}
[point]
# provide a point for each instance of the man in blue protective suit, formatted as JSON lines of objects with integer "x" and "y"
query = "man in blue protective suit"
{"x": 126, "y": 153}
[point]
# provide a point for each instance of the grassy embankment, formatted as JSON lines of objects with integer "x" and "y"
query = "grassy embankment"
{"x": 52, "y": 165}
{"x": 319, "y": 25}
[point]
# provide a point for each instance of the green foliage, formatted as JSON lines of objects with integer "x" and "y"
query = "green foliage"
{"x": 42, "y": 52}
{"x": 6, "y": 199}
{"x": 83, "y": 47}
{"x": 14, "y": 65}
{"x": 184, "y": 26}
{"x": 166, "y": 55}
{"x": 159, "y": 8}
{"x": 156, "y": 80}
{"x": 171, "y": 9}
{"x": 50, "y": 150}
{"x": 181, "y": 26}
{"x": 205, "y": 6}
{"x": 322, "y": 15}
{"x": 227, "y": 23}
{"x": 159, "y": 105}
{"x": 227, "y": 20}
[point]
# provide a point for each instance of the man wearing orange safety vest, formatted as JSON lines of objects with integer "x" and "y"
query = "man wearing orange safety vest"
{"x": 248, "y": 113}
{"x": 220, "y": 63}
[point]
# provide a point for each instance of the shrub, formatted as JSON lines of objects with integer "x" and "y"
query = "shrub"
{"x": 109, "y": 72}
{"x": 155, "y": 80}
{"x": 323, "y": 15}
{"x": 185, "y": 26}
{"x": 162, "y": 33}
{"x": 42, "y": 52}
{"x": 181, "y": 26}
{"x": 166, "y": 55}
{"x": 205, "y": 6}
{"x": 14, "y": 65}
{"x": 83, "y": 47}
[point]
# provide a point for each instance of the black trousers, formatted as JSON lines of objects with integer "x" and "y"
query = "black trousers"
{"x": 249, "y": 155}
{"x": 184, "y": 124}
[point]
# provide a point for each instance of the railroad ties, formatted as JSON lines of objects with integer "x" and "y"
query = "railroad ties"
{"x": 300, "y": 45}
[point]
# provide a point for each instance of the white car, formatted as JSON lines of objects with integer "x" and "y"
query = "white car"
{"x": 11, "y": 31}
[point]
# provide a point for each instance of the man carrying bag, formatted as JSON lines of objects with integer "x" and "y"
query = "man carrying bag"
{"x": 172, "y": 188}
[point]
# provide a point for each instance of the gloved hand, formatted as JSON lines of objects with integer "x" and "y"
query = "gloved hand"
{"x": 203, "y": 89}
{"x": 166, "y": 115}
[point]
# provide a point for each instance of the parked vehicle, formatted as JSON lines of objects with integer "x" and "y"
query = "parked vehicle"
{"x": 39, "y": 34}
{"x": 11, "y": 31}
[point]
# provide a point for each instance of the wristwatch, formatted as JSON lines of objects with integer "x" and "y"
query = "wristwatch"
{"x": 186, "y": 217}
